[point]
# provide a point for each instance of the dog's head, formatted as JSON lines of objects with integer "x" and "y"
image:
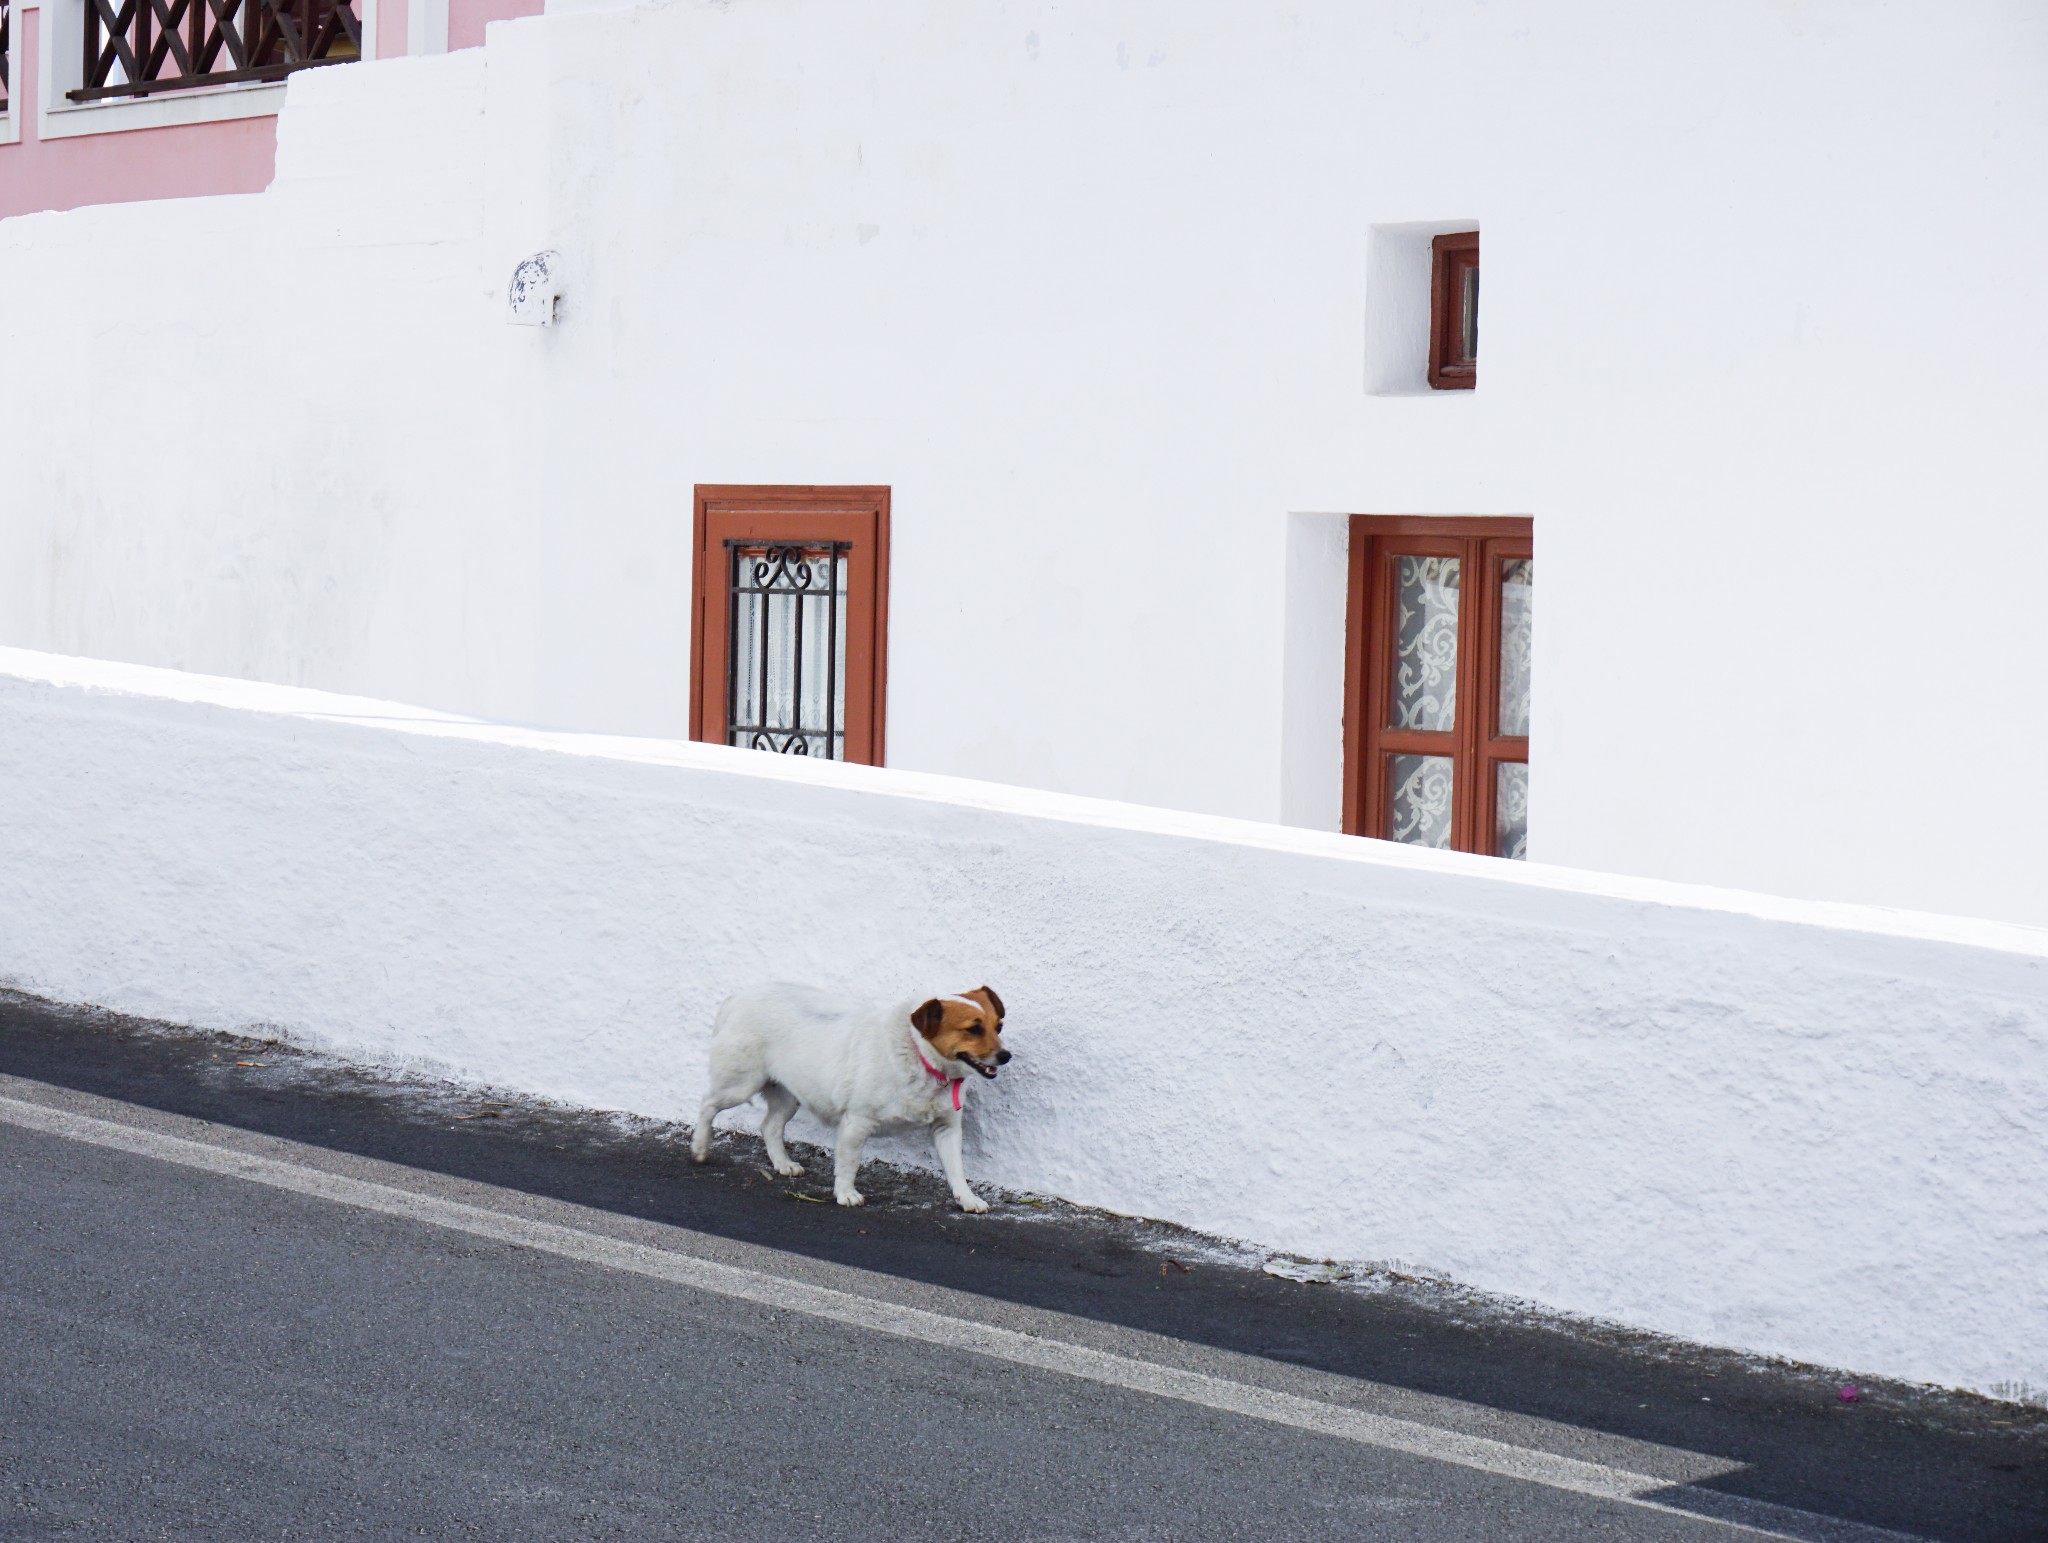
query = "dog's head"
{"x": 967, "y": 1027}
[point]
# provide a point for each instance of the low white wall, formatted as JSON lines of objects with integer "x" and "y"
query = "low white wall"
{"x": 1790, "y": 1128}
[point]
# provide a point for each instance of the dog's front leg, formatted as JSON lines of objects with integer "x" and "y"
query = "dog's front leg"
{"x": 946, "y": 1139}
{"x": 853, "y": 1135}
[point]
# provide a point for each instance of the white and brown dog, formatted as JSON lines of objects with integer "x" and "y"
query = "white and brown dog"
{"x": 868, "y": 1071}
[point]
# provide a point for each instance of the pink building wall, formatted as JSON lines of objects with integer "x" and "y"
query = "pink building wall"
{"x": 180, "y": 162}
{"x": 468, "y": 18}
{"x": 184, "y": 161}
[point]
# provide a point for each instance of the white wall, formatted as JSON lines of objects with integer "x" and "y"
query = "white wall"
{"x": 1793, "y": 1128}
{"x": 1089, "y": 287}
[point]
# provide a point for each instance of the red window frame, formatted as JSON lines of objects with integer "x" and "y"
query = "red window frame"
{"x": 1474, "y": 742}
{"x": 797, "y": 515}
{"x": 1453, "y": 272}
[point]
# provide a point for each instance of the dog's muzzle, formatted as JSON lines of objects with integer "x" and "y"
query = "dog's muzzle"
{"x": 984, "y": 1067}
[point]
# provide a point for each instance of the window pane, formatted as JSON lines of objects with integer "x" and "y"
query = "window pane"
{"x": 1419, "y": 799}
{"x": 788, "y": 686}
{"x": 1425, "y": 643}
{"x": 1469, "y": 316}
{"x": 815, "y": 704}
{"x": 1517, "y": 593}
{"x": 746, "y": 659}
{"x": 839, "y": 683}
{"x": 781, "y": 655}
{"x": 1511, "y": 809}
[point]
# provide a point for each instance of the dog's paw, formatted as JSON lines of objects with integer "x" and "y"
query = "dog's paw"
{"x": 970, "y": 1201}
{"x": 790, "y": 1169}
{"x": 699, "y": 1154}
{"x": 850, "y": 1197}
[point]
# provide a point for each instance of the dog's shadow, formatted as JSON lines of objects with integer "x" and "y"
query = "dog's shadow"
{"x": 894, "y": 1186}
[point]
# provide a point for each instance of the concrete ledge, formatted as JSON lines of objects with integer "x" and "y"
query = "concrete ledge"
{"x": 1788, "y": 1128}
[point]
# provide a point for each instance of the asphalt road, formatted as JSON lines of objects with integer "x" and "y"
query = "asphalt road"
{"x": 392, "y": 1321}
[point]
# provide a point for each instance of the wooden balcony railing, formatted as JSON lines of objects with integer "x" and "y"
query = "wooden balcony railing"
{"x": 141, "y": 47}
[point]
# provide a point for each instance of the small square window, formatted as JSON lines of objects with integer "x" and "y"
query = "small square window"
{"x": 1454, "y": 311}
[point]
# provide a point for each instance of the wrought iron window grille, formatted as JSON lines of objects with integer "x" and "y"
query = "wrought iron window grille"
{"x": 141, "y": 47}
{"x": 5, "y": 21}
{"x": 786, "y": 659}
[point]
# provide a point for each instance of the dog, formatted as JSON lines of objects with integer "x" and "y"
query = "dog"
{"x": 868, "y": 1071}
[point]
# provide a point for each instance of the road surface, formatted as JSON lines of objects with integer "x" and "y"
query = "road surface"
{"x": 244, "y": 1295}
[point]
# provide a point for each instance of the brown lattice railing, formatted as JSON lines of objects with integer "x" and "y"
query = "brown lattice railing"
{"x": 139, "y": 47}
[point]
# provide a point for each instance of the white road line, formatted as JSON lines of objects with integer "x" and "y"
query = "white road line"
{"x": 1531, "y": 1465}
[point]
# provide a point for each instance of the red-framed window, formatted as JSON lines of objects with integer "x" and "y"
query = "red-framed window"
{"x": 790, "y": 620}
{"x": 1454, "y": 311}
{"x": 1436, "y": 691}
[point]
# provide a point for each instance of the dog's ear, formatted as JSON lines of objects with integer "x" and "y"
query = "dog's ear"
{"x": 926, "y": 1019}
{"x": 994, "y": 1001}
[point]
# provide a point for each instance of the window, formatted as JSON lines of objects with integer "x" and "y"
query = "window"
{"x": 1436, "y": 682}
{"x": 140, "y": 49}
{"x": 1454, "y": 311}
{"x": 790, "y": 620}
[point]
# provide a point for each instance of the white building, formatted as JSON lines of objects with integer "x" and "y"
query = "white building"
{"x": 1100, "y": 324}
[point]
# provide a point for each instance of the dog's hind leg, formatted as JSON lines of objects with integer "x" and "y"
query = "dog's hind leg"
{"x": 853, "y": 1135}
{"x": 725, "y": 1094}
{"x": 781, "y": 1105}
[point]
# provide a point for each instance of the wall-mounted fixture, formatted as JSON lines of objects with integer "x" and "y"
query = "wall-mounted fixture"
{"x": 534, "y": 296}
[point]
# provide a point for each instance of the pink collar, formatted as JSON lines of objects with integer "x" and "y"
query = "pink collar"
{"x": 936, "y": 1074}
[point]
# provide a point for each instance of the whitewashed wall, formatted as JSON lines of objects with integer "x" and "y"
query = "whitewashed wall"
{"x": 1107, "y": 293}
{"x": 1793, "y": 1128}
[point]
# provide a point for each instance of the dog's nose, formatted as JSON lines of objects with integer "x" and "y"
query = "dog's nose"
{"x": 1002, "y": 1057}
